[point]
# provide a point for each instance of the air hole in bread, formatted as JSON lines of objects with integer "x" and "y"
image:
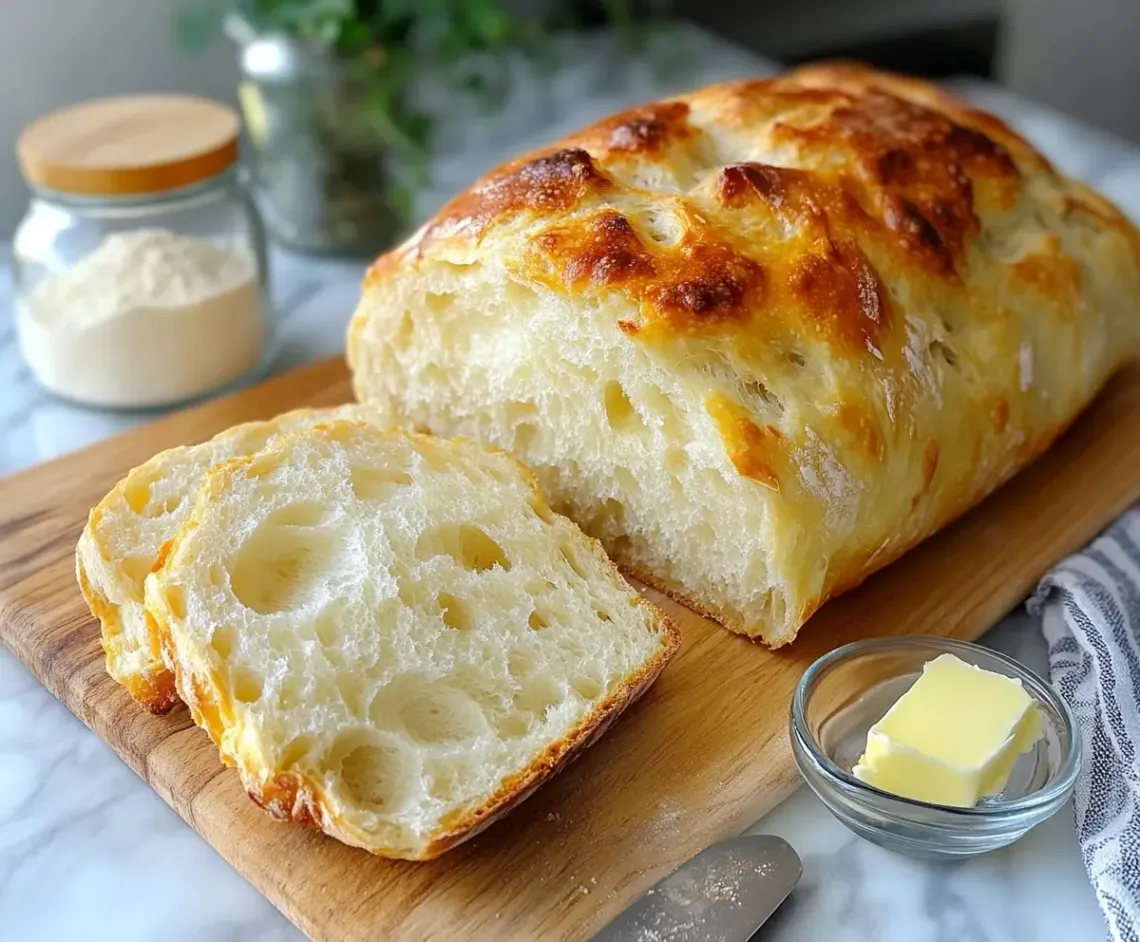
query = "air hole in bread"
{"x": 664, "y": 228}
{"x": 756, "y": 390}
{"x": 945, "y": 352}
{"x": 538, "y": 694}
{"x": 375, "y": 483}
{"x": 378, "y": 776}
{"x": 136, "y": 568}
{"x": 279, "y": 568}
{"x": 345, "y": 431}
{"x": 534, "y": 586}
{"x": 329, "y": 627}
{"x": 441, "y": 714}
{"x": 247, "y": 684}
{"x": 137, "y": 494}
{"x": 518, "y": 411}
{"x": 438, "y": 303}
{"x": 264, "y": 464}
{"x": 436, "y": 458}
{"x": 570, "y": 555}
{"x": 796, "y": 359}
{"x": 303, "y": 513}
{"x": 541, "y": 509}
{"x": 297, "y": 749}
{"x": 403, "y": 333}
{"x": 613, "y": 514}
{"x": 603, "y": 615}
{"x": 175, "y": 599}
{"x": 622, "y": 546}
{"x": 520, "y": 418}
{"x": 217, "y": 576}
{"x": 626, "y": 481}
{"x": 455, "y": 612}
{"x": 409, "y": 591}
{"x": 161, "y": 509}
{"x": 587, "y": 687}
{"x": 662, "y": 407}
{"x": 717, "y": 368}
{"x": 512, "y": 725}
{"x": 469, "y": 546}
{"x": 620, "y": 413}
{"x": 222, "y": 640}
{"x": 537, "y": 621}
{"x": 254, "y": 439}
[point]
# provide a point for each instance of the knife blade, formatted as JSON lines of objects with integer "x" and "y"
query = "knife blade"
{"x": 723, "y": 894}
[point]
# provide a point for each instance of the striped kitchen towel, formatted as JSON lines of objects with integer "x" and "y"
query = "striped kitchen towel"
{"x": 1090, "y": 609}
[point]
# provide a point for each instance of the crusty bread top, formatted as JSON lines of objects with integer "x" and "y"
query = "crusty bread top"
{"x": 858, "y": 158}
{"x": 801, "y": 215}
{"x": 886, "y": 300}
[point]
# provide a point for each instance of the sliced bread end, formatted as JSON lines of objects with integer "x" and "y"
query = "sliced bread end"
{"x": 392, "y": 636}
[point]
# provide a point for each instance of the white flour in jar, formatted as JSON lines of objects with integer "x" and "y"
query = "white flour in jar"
{"x": 149, "y": 318}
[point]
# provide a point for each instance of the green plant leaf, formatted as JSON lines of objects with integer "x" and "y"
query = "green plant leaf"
{"x": 386, "y": 45}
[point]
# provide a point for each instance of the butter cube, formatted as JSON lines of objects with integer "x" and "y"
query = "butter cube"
{"x": 953, "y": 737}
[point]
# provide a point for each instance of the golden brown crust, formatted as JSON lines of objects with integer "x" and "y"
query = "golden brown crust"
{"x": 288, "y": 796}
{"x": 155, "y": 690}
{"x": 898, "y": 166}
{"x": 900, "y": 301}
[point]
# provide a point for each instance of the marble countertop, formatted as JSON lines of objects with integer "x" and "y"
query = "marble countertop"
{"x": 88, "y": 852}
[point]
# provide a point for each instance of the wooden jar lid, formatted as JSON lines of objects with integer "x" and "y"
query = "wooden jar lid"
{"x": 130, "y": 145}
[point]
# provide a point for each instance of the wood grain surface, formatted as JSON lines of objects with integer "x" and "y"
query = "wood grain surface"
{"x": 129, "y": 145}
{"x": 700, "y": 757}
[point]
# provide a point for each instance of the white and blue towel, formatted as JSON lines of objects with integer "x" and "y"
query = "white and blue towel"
{"x": 1090, "y": 608}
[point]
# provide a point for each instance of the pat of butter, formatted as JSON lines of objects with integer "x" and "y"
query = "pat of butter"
{"x": 953, "y": 737}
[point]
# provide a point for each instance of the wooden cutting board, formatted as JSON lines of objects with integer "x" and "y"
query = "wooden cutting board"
{"x": 701, "y": 756}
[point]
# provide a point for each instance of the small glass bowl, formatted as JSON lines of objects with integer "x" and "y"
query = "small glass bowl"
{"x": 846, "y": 692}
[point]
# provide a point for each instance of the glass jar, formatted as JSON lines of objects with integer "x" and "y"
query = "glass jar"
{"x": 321, "y": 167}
{"x": 140, "y": 267}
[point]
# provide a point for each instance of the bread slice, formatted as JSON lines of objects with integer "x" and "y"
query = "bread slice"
{"x": 392, "y": 636}
{"x": 127, "y": 528}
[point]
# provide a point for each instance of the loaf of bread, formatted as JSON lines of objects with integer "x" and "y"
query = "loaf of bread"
{"x": 127, "y": 528}
{"x": 392, "y": 636}
{"x": 763, "y": 338}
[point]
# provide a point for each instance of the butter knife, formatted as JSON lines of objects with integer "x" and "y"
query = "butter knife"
{"x": 723, "y": 894}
